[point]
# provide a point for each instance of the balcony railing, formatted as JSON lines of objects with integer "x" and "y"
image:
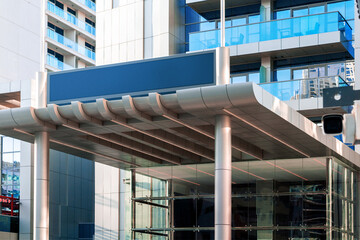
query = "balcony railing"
{"x": 271, "y": 30}
{"x": 89, "y": 4}
{"x": 70, "y": 44}
{"x": 71, "y": 18}
{"x": 302, "y": 88}
{"x": 56, "y": 63}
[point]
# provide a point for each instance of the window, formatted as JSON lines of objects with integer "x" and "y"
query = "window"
{"x": 73, "y": 12}
{"x": 246, "y": 77}
{"x": 57, "y": 55}
{"x": 88, "y": 21}
{"x": 89, "y": 46}
{"x": 56, "y": 28}
{"x": 10, "y": 167}
{"x": 57, "y": 3}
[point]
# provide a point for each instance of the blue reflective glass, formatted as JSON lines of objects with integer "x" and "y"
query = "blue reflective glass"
{"x": 282, "y": 14}
{"x": 239, "y": 79}
{"x": 282, "y": 75}
{"x": 349, "y": 11}
{"x": 204, "y": 26}
{"x": 254, "y": 77}
{"x": 337, "y": 7}
{"x": 254, "y": 19}
{"x": 238, "y": 21}
{"x": 300, "y": 12}
{"x": 277, "y": 29}
{"x": 316, "y": 10}
{"x": 300, "y": 73}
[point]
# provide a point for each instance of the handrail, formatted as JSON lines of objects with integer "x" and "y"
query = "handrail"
{"x": 305, "y": 79}
{"x": 273, "y": 20}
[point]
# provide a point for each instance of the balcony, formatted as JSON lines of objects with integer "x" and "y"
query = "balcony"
{"x": 71, "y": 18}
{"x": 56, "y": 63}
{"x": 327, "y": 29}
{"x": 70, "y": 44}
{"x": 303, "y": 94}
{"x": 90, "y": 4}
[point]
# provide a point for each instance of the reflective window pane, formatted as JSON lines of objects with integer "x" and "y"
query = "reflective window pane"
{"x": 238, "y": 21}
{"x": 239, "y": 79}
{"x": 337, "y": 7}
{"x": 300, "y": 12}
{"x": 316, "y": 10}
{"x": 282, "y": 75}
{"x": 282, "y": 14}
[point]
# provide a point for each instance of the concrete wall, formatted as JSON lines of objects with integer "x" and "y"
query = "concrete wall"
{"x": 20, "y": 39}
{"x": 138, "y": 29}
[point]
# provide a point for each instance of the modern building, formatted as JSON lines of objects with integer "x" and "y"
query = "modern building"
{"x": 43, "y": 35}
{"x": 293, "y": 50}
{"x": 154, "y": 154}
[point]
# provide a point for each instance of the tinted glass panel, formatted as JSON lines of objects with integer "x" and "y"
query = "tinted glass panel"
{"x": 282, "y": 14}
{"x": 316, "y": 10}
{"x": 339, "y": 6}
{"x": 300, "y": 12}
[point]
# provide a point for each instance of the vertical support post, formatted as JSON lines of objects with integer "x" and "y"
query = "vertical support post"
{"x": 222, "y": 154}
{"x": 41, "y": 170}
{"x": 222, "y": 23}
{"x": 133, "y": 204}
{"x": 329, "y": 206}
{"x": 12, "y": 204}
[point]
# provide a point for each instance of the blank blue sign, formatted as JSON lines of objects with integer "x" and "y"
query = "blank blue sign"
{"x": 113, "y": 81}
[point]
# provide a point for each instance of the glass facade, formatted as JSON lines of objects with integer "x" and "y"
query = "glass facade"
{"x": 10, "y": 167}
{"x": 310, "y": 198}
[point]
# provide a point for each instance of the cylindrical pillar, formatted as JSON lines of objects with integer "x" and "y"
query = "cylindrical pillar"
{"x": 41, "y": 186}
{"x": 222, "y": 178}
{"x": 41, "y": 169}
{"x": 222, "y": 154}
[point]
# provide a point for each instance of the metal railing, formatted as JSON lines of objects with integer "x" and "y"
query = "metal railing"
{"x": 302, "y": 88}
{"x": 70, "y": 44}
{"x": 71, "y": 18}
{"x": 271, "y": 30}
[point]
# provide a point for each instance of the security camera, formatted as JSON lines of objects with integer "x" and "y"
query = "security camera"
{"x": 332, "y": 124}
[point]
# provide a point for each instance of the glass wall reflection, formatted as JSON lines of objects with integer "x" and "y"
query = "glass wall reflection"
{"x": 311, "y": 198}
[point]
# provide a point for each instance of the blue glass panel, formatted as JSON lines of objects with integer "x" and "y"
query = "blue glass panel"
{"x": 282, "y": 75}
{"x": 300, "y": 12}
{"x": 239, "y": 79}
{"x": 337, "y": 7}
{"x": 254, "y": 19}
{"x": 254, "y": 77}
{"x": 238, "y": 21}
{"x": 316, "y": 10}
{"x": 282, "y": 14}
{"x": 204, "y": 26}
{"x": 349, "y": 11}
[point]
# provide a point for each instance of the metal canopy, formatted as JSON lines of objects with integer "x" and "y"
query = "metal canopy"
{"x": 177, "y": 128}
